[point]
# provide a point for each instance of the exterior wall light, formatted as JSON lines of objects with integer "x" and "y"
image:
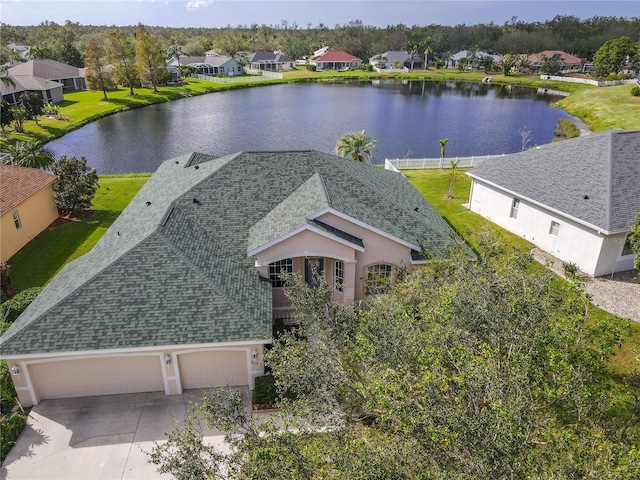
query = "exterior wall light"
{"x": 254, "y": 355}
{"x": 167, "y": 360}
{"x": 15, "y": 369}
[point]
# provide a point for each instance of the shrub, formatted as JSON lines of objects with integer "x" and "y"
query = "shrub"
{"x": 264, "y": 392}
{"x": 10, "y": 428}
{"x": 7, "y": 390}
{"x": 75, "y": 186}
{"x": 11, "y": 309}
{"x": 570, "y": 270}
{"x": 439, "y": 64}
{"x": 635, "y": 91}
{"x": 311, "y": 68}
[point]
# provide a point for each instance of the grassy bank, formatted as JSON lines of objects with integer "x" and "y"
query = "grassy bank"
{"x": 601, "y": 108}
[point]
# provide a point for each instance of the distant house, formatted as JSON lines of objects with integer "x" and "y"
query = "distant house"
{"x": 336, "y": 60}
{"x": 209, "y": 65}
{"x": 454, "y": 61}
{"x": 271, "y": 62}
{"x": 50, "y": 91}
{"x": 72, "y": 78}
{"x": 575, "y": 199}
{"x": 566, "y": 60}
{"x": 27, "y": 206}
{"x": 396, "y": 59}
{"x": 183, "y": 289}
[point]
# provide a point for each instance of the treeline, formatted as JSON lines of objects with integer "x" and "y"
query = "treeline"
{"x": 568, "y": 33}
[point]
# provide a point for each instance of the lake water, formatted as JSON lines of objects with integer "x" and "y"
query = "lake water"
{"x": 406, "y": 118}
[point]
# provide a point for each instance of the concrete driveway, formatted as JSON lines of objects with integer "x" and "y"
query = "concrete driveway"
{"x": 95, "y": 438}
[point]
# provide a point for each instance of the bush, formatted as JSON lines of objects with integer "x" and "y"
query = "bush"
{"x": 11, "y": 309}
{"x": 439, "y": 64}
{"x": 7, "y": 390}
{"x": 75, "y": 186}
{"x": 264, "y": 392}
{"x": 311, "y": 68}
{"x": 635, "y": 91}
{"x": 10, "y": 428}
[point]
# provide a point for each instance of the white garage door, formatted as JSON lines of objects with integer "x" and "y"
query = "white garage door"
{"x": 213, "y": 369}
{"x": 96, "y": 376}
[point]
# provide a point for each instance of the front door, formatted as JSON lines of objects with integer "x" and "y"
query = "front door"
{"x": 313, "y": 270}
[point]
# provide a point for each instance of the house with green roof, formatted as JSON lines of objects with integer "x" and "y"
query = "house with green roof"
{"x": 181, "y": 292}
{"x": 575, "y": 199}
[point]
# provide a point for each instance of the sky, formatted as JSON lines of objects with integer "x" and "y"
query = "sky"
{"x": 379, "y": 13}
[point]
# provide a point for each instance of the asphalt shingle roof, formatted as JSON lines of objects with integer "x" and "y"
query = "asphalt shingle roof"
{"x": 173, "y": 268}
{"x": 45, "y": 68}
{"x": 594, "y": 179}
{"x": 17, "y": 184}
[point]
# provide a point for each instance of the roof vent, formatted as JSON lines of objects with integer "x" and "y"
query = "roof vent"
{"x": 197, "y": 202}
{"x": 148, "y": 203}
{"x": 177, "y": 162}
{"x": 197, "y": 167}
{"x": 586, "y": 197}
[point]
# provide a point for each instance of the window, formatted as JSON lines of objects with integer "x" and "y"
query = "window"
{"x": 276, "y": 269}
{"x": 16, "y": 220}
{"x": 378, "y": 278}
{"x": 515, "y": 205}
{"x": 554, "y": 229}
{"x": 338, "y": 277}
{"x": 626, "y": 249}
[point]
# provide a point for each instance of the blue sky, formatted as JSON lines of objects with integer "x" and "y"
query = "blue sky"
{"x": 220, "y": 13}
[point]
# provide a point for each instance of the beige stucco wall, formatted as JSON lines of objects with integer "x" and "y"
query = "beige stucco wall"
{"x": 36, "y": 214}
{"x": 133, "y": 371}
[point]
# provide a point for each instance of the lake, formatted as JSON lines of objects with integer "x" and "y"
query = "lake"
{"x": 405, "y": 118}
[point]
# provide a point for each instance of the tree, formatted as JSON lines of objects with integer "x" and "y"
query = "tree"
{"x": 98, "y": 71}
{"x": 507, "y": 62}
{"x": 19, "y": 116}
{"x": 453, "y": 174}
{"x": 633, "y": 237}
{"x": 30, "y": 153}
{"x": 6, "y": 115}
{"x": 466, "y": 369}
{"x": 75, "y": 186}
{"x": 149, "y": 58}
{"x": 525, "y": 138}
{"x": 33, "y": 105}
{"x": 122, "y": 55}
{"x": 356, "y": 145}
{"x": 443, "y": 142}
{"x": 612, "y": 56}
{"x": 551, "y": 66}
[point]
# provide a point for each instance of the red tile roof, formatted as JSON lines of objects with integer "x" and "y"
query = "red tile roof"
{"x": 335, "y": 56}
{"x": 564, "y": 56}
{"x": 17, "y": 184}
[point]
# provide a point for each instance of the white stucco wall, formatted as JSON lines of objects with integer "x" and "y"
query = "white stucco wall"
{"x": 593, "y": 252}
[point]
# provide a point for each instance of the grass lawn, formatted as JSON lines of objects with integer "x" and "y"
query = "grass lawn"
{"x": 604, "y": 108}
{"x": 39, "y": 261}
{"x": 433, "y": 184}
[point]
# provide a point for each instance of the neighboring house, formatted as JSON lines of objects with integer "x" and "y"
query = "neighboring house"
{"x": 336, "y": 60}
{"x": 49, "y": 91}
{"x": 27, "y": 206}
{"x": 209, "y": 65}
{"x": 454, "y": 60}
{"x": 182, "y": 290}
{"x": 72, "y": 78}
{"x": 269, "y": 61}
{"x": 395, "y": 60}
{"x": 575, "y": 199}
{"x": 566, "y": 60}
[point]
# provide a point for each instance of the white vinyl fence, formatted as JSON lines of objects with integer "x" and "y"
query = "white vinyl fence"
{"x": 397, "y": 164}
{"x": 608, "y": 83}
{"x": 264, "y": 77}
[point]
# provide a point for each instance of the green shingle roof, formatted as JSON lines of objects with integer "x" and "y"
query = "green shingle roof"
{"x": 173, "y": 268}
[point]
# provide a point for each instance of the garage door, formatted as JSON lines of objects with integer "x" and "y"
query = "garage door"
{"x": 213, "y": 369}
{"x": 97, "y": 376}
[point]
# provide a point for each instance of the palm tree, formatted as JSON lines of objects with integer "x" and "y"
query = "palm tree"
{"x": 356, "y": 145}
{"x": 29, "y": 154}
{"x": 442, "y": 142}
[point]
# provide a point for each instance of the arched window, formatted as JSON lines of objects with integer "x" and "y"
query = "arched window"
{"x": 277, "y": 269}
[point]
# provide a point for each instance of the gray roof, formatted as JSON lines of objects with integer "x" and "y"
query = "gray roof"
{"x": 593, "y": 179}
{"x": 173, "y": 269}
{"x": 24, "y": 83}
{"x": 46, "y": 68}
{"x": 268, "y": 57}
{"x": 395, "y": 56}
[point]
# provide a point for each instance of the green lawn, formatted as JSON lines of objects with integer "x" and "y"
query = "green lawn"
{"x": 39, "y": 261}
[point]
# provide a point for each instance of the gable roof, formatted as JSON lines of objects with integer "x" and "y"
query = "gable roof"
{"x": 395, "y": 56}
{"x": 18, "y": 184}
{"x": 335, "y": 56}
{"x": 268, "y": 57}
{"x": 174, "y": 268}
{"x": 46, "y": 68}
{"x": 594, "y": 179}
